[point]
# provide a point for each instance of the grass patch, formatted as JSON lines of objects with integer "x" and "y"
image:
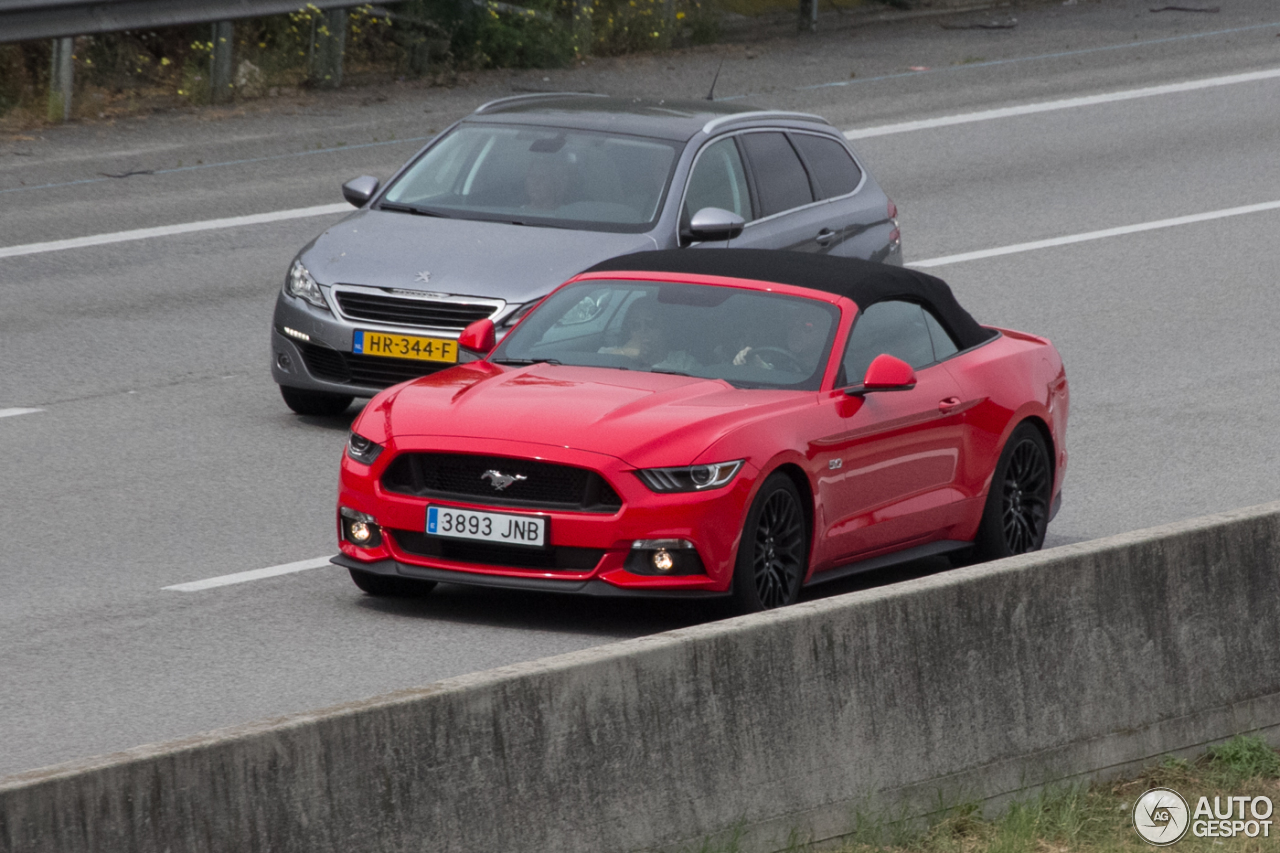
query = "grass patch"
{"x": 1094, "y": 818}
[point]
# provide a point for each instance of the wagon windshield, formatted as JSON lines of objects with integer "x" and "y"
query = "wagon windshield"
{"x": 749, "y": 338}
{"x": 539, "y": 176}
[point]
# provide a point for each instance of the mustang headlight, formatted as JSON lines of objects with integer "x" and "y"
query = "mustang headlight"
{"x": 300, "y": 284}
{"x": 362, "y": 449}
{"x": 692, "y": 478}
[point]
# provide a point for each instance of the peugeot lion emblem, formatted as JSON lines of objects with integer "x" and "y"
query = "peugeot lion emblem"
{"x": 424, "y": 277}
{"x": 500, "y": 480}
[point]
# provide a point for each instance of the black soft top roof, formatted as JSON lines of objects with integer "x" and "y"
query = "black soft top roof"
{"x": 864, "y": 282}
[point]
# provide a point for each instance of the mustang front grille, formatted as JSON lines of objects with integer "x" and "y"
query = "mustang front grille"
{"x": 401, "y": 311}
{"x": 563, "y": 558}
{"x": 534, "y": 485}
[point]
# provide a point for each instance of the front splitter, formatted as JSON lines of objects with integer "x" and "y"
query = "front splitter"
{"x": 597, "y": 588}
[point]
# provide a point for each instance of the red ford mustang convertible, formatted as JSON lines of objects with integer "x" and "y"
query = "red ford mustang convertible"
{"x": 709, "y": 423}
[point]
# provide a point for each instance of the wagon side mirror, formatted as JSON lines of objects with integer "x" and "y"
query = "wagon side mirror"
{"x": 713, "y": 223}
{"x": 886, "y": 373}
{"x": 478, "y": 337}
{"x": 358, "y": 191}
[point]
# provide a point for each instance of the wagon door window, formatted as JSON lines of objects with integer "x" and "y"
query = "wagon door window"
{"x": 780, "y": 178}
{"x": 893, "y": 327}
{"x": 718, "y": 180}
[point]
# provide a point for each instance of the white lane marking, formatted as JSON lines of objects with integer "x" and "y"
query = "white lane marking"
{"x": 13, "y": 413}
{"x": 1064, "y": 104}
{"x": 170, "y": 230}
{"x": 863, "y": 133}
{"x": 254, "y": 575}
{"x": 1096, "y": 235}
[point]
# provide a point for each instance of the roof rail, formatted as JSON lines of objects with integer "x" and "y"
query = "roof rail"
{"x": 757, "y": 114}
{"x": 487, "y": 107}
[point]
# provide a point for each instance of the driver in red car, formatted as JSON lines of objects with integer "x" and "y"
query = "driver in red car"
{"x": 804, "y": 339}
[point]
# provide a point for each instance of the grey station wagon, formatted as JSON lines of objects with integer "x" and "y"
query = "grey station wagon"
{"x": 524, "y": 193}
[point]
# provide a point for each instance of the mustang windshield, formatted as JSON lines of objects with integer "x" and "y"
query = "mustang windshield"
{"x": 748, "y": 338}
{"x": 539, "y": 176}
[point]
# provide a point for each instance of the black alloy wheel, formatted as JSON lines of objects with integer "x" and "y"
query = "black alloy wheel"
{"x": 774, "y": 550}
{"x": 1016, "y": 515}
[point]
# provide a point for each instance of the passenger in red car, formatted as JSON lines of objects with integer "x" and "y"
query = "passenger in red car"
{"x": 648, "y": 340}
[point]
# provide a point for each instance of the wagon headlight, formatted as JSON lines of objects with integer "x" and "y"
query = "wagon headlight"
{"x": 362, "y": 450}
{"x": 691, "y": 478}
{"x": 515, "y": 316}
{"x": 299, "y": 283}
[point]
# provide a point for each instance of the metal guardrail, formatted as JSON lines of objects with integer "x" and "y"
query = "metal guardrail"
{"x": 63, "y": 20}
{"x": 28, "y": 20}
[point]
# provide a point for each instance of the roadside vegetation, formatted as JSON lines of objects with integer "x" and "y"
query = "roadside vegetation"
{"x": 434, "y": 42}
{"x": 1087, "y": 819}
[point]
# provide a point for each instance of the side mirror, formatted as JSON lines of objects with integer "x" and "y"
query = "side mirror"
{"x": 478, "y": 337}
{"x": 885, "y": 373}
{"x": 714, "y": 223}
{"x": 358, "y": 191}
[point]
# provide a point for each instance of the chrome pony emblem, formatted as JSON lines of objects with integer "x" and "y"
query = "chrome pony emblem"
{"x": 501, "y": 481}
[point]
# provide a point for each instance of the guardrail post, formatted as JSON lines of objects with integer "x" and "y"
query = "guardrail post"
{"x": 223, "y": 38}
{"x": 808, "y": 20}
{"x": 328, "y": 43}
{"x": 61, "y": 70}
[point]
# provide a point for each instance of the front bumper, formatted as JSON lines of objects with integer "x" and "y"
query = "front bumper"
{"x": 312, "y": 349}
{"x": 711, "y": 520}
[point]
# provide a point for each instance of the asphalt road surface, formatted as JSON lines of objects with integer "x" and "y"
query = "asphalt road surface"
{"x": 160, "y": 452}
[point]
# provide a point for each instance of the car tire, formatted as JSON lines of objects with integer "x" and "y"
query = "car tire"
{"x": 1016, "y": 513}
{"x": 774, "y": 550}
{"x": 389, "y": 586}
{"x": 314, "y": 402}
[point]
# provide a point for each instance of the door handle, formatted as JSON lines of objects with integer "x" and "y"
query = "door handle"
{"x": 825, "y": 236}
{"x": 947, "y": 404}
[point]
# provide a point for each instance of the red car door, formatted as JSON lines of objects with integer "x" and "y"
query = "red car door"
{"x": 888, "y": 461}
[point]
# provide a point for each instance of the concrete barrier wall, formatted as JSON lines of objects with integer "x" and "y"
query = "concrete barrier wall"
{"x": 977, "y": 683}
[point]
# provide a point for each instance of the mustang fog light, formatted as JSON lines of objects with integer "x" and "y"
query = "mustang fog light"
{"x": 664, "y": 557}
{"x": 359, "y": 529}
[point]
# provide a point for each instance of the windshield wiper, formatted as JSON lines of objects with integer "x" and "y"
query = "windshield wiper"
{"x": 672, "y": 372}
{"x": 400, "y": 207}
{"x": 519, "y": 361}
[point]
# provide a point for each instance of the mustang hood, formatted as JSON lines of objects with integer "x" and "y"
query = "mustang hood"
{"x": 512, "y": 262}
{"x": 645, "y": 419}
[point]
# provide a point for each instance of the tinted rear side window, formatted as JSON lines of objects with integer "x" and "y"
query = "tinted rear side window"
{"x": 780, "y": 177}
{"x": 944, "y": 346}
{"x": 833, "y": 171}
